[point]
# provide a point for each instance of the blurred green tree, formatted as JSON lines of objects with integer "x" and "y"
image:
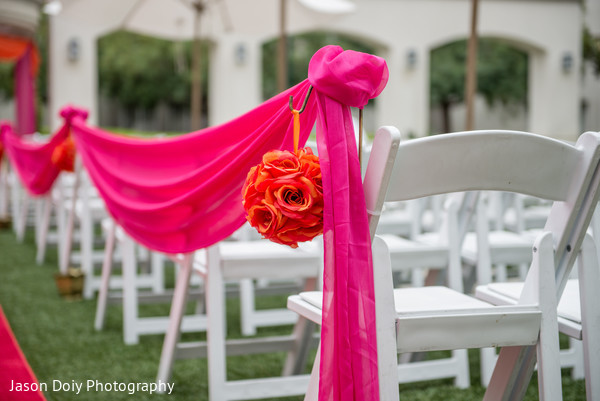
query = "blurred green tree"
{"x": 141, "y": 71}
{"x": 501, "y": 75}
{"x": 591, "y": 50}
{"x": 6, "y": 80}
{"x": 7, "y": 70}
{"x": 300, "y": 50}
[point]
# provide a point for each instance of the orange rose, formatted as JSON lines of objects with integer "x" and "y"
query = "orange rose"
{"x": 265, "y": 218}
{"x": 63, "y": 155}
{"x": 311, "y": 167}
{"x": 283, "y": 197}
{"x": 276, "y": 165}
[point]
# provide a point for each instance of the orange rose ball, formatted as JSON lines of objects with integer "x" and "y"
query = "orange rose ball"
{"x": 283, "y": 197}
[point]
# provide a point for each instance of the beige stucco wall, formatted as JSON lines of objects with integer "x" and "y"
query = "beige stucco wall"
{"x": 546, "y": 29}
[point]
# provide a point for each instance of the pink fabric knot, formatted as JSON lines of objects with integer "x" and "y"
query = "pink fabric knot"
{"x": 350, "y": 77}
{"x": 70, "y": 112}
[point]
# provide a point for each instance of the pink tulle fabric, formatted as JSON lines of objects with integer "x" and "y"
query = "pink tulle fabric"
{"x": 25, "y": 94}
{"x": 177, "y": 195}
{"x": 180, "y": 194}
{"x": 348, "y": 335}
{"x": 32, "y": 160}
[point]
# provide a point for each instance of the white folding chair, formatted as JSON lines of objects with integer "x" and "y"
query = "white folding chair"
{"x": 120, "y": 247}
{"x": 502, "y": 247}
{"x": 54, "y": 231}
{"x": 148, "y": 286}
{"x": 411, "y": 219}
{"x": 225, "y": 262}
{"x": 581, "y": 324}
{"x": 438, "y": 318}
{"x": 21, "y": 206}
{"x": 495, "y": 246}
{"x": 79, "y": 212}
{"x": 251, "y": 318}
{"x": 424, "y": 256}
{"x": 400, "y": 218}
{"x": 525, "y": 212}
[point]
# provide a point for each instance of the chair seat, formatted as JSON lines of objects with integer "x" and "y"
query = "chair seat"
{"x": 569, "y": 308}
{"x": 408, "y": 254}
{"x": 533, "y": 217}
{"x": 430, "y": 309}
{"x": 395, "y": 222}
{"x": 266, "y": 259}
{"x": 96, "y": 207}
{"x": 505, "y": 247}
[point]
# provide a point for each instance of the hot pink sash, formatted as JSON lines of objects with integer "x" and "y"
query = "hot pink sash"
{"x": 348, "y": 336}
{"x": 32, "y": 160}
{"x": 180, "y": 194}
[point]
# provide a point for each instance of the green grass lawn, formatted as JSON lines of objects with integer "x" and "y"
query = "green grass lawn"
{"x": 60, "y": 343}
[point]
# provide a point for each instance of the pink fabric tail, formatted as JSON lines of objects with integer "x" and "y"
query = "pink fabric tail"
{"x": 348, "y": 336}
{"x": 32, "y": 160}
{"x": 25, "y": 95}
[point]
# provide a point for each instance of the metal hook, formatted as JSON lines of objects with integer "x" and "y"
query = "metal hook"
{"x": 304, "y": 103}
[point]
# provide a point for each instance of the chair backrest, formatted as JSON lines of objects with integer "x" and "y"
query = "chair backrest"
{"x": 503, "y": 161}
{"x": 379, "y": 170}
{"x": 508, "y": 161}
{"x": 484, "y": 160}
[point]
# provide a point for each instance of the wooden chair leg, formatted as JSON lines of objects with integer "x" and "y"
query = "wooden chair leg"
{"x": 105, "y": 280}
{"x": 215, "y": 332}
{"x": 513, "y": 369}
{"x": 462, "y": 379}
{"x": 501, "y": 274}
{"x": 303, "y": 333}
{"x": 15, "y": 201}
{"x": 130, "y": 296}
{"x": 247, "y": 305}
{"x": 44, "y": 227}
{"x": 3, "y": 190}
{"x": 86, "y": 228}
{"x": 38, "y": 206}
{"x": 157, "y": 263}
{"x": 576, "y": 356}
{"x": 21, "y": 221}
{"x": 589, "y": 279}
{"x": 173, "y": 333}
{"x": 549, "y": 376}
{"x": 487, "y": 358}
{"x": 312, "y": 393}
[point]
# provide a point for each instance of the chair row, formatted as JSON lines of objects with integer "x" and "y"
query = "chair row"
{"x": 440, "y": 318}
{"x": 440, "y": 256}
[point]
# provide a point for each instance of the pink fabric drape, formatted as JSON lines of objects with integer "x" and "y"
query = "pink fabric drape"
{"x": 32, "y": 160}
{"x": 180, "y": 194}
{"x": 348, "y": 335}
{"x": 24, "y": 54}
{"x": 25, "y": 93}
{"x": 177, "y": 195}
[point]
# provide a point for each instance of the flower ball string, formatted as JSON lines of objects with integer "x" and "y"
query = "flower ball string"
{"x": 283, "y": 195}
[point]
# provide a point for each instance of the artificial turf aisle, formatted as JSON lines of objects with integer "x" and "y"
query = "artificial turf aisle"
{"x": 61, "y": 345}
